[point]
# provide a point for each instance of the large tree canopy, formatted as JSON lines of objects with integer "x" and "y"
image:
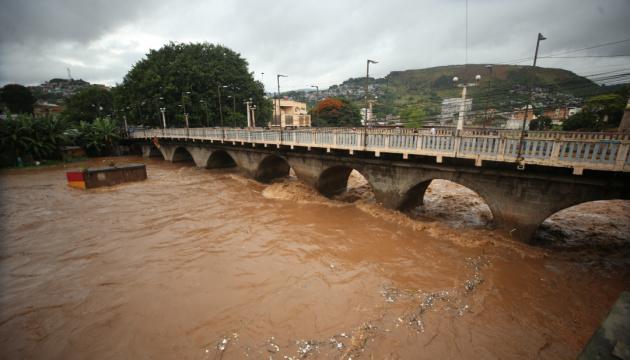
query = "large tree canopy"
{"x": 335, "y": 112}
{"x": 17, "y": 98}
{"x": 88, "y": 104}
{"x": 191, "y": 78}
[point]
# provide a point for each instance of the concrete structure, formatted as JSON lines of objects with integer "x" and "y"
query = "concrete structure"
{"x": 612, "y": 340}
{"x": 289, "y": 113}
{"x": 399, "y": 165}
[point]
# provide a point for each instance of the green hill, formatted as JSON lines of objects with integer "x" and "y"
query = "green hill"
{"x": 502, "y": 87}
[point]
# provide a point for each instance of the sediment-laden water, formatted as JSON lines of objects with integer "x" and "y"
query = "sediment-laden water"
{"x": 207, "y": 264}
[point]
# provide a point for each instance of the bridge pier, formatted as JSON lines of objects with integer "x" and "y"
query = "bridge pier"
{"x": 149, "y": 150}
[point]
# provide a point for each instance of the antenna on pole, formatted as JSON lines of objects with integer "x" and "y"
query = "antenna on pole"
{"x": 69, "y": 74}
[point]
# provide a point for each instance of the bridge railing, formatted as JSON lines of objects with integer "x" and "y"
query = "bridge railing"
{"x": 604, "y": 151}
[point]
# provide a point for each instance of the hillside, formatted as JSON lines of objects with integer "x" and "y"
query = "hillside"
{"x": 502, "y": 87}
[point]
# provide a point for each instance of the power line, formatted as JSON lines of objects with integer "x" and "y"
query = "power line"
{"x": 580, "y": 57}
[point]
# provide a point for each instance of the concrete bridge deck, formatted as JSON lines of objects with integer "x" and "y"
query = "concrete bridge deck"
{"x": 562, "y": 169}
{"x": 575, "y": 150}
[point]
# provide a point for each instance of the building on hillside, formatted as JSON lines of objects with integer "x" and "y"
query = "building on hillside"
{"x": 46, "y": 108}
{"x": 451, "y": 108}
{"x": 290, "y": 113}
{"x": 560, "y": 114}
{"x": 516, "y": 118}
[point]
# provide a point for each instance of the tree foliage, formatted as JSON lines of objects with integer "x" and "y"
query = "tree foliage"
{"x": 190, "y": 76}
{"x": 39, "y": 137}
{"x": 335, "y": 112}
{"x": 17, "y": 98}
{"x": 599, "y": 113}
{"x": 542, "y": 122}
{"x": 98, "y": 137}
{"x": 88, "y": 104}
{"x": 412, "y": 116}
{"x": 584, "y": 120}
{"x": 608, "y": 106}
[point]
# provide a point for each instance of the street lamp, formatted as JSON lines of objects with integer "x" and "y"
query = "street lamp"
{"x": 205, "y": 105}
{"x": 317, "y": 95}
{"x": 278, "y": 76}
{"x": 185, "y": 93}
{"x": 462, "y": 106}
{"x": 220, "y": 109}
{"x": 162, "y": 110}
{"x": 521, "y": 166}
{"x": 367, "y": 79}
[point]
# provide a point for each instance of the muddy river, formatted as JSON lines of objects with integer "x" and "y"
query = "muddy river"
{"x": 208, "y": 264}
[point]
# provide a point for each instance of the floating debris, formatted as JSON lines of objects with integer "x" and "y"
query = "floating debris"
{"x": 272, "y": 347}
{"x": 223, "y": 343}
{"x": 306, "y": 347}
{"x": 336, "y": 341}
{"x": 391, "y": 294}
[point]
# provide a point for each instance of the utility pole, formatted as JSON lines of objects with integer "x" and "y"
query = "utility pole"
{"x": 488, "y": 91}
{"x": 278, "y": 76}
{"x": 317, "y": 94}
{"x": 521, "y": 166}
{"x": 367, "y": 80}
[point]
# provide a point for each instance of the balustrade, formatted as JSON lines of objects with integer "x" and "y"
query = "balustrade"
{"x": 600, "y": 150}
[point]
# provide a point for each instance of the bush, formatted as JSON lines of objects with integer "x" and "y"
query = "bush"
{"x": 584, "y": 120}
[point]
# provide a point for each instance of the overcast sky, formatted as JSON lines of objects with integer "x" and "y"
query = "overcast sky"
{"x": 314, "y": 42}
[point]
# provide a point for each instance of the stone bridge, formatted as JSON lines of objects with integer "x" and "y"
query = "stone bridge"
{"x": 520, "y": 199}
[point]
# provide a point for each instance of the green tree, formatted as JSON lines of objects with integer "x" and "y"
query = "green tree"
{"x": 608, "y": 108}
{"x": 33, "y": 137}
{"x": 412, "y": 116}
{"x": 88, "y": 104}
{"x": 17, "y": 98}
{"x": 335, "y": 112}
{"x": 190, "y": 76}
{"x": 584, "y": 120}
{"x": 99, "y": 137}
{"x": 540, "y": 123}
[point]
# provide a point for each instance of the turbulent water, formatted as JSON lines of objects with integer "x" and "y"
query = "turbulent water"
{"x": 205, "y": 264}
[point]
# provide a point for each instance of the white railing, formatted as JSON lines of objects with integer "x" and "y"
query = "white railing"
{"x": 596, "y": 151}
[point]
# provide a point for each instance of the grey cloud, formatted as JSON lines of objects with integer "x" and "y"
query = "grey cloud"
{"x": 321, "y": 42}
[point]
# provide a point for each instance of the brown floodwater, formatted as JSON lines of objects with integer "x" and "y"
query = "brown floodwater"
{"x": 208, "y": 264}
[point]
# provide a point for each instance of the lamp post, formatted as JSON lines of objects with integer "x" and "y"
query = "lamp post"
{"x": 317, "y": 94}
{"x": 278, "y": 76}
{"x": 521, "y": 166}
{"x": 220, "y": 109}
{"x": 185, "y": 94}
{"x": 205, "y": 105}
{"x": 367, "y": 79}
{"x": 488, "y": 92}
{"x": 462, "y": 106}
{"x": 163, "y": 110}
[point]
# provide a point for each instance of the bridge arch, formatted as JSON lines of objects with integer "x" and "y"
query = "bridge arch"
{"x": 181, "y": 154}
{"x": 454, "y": 201}
{"x": 601, "y": 224}
{"x": 334, "y": 179}
{"x": 272, "y": 167}
{"x": 220, "y": 159}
